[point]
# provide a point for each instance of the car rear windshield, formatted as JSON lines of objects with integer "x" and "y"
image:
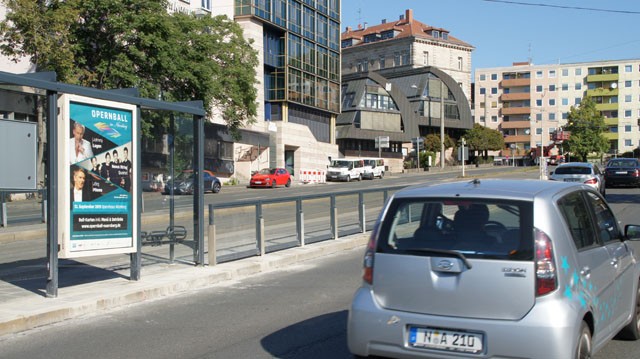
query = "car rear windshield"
{"x": 568, "y": 170}
{"x": 622, "y": 163}
{"x": 476, "y": 228}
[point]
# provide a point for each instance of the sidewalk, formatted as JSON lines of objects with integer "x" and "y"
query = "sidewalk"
{"x": 85, "y": 289}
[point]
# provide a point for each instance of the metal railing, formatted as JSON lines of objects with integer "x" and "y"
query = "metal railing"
{"x": 4, "y": 195}
{"x": 254, "y": 228}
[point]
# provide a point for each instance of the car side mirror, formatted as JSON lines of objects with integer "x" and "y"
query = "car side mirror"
{"x": 632, "y": 231}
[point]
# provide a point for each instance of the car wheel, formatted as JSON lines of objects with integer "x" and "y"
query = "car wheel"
{"x": 632, "y": 330}
{"x": 273, "y": 184}
{"x": 359, "y": 178}
{"x": 288, "y": 183}
{"x": 583, "y": 351}
{"x": 381, "y": 175}
{"x": 215, "y": 187}
{"x": 348, "y": 178}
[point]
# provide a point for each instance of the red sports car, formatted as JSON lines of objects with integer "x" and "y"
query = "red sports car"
{"x": 271, "y": 177}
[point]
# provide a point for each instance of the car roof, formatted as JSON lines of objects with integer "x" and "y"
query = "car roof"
{"x": 522, "y": 189}
{"x": 576, "y": 164}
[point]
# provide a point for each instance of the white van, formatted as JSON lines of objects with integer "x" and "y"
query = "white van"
{"x": 345, "y": 169}
{"x": 373, "y": 167}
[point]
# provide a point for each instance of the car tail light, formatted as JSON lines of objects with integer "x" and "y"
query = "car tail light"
{"x": 636, "y": 173}
{"x": 367, "y": 264}
{"x": 546, "y": 274}
{"x": 591, "y": 181}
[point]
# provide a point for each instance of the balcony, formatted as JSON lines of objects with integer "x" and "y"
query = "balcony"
{"x": 520, "y": 96}
{"x": 515, "y": 124}
{"x": 521, "y": 82}
{"x": 602, "y": 92}
{"x": 611, "y": 121}
{"x": 517, "y": 139}
{"x": 515, "y": 111}
{"x": 606, "y": 106}
{"x": 603, "y": 78}
{"x": 611, "y": 136}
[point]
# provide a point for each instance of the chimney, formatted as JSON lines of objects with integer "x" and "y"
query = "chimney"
{"x": 348, "y": 28}
{"x": 409, "y": 15}
{"x": 401, "y": 17}
{"x": 384, "y": 21}
{"x": 359, "y": 26}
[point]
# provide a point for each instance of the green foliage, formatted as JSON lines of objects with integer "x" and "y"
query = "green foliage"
{"x": 109, "y": 44}
{"x": 484, "y": 139}
{"x": 587, "y": 126}
{"x": 424, "y": 158}
{"x": 432, "y": 142}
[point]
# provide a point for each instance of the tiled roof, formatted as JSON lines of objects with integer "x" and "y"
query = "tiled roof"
{"x": 405, "y": 27}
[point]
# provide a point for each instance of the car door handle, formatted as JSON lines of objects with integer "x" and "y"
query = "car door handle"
{"x": 585, "y": 272}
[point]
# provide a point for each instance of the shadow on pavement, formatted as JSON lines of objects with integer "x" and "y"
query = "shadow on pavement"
{"x": 324, "y": 336}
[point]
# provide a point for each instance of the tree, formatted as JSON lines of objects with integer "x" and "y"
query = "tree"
{"x": 484, "y": 139}
{"x": 586, "y": 125}
{"x": 432, "y": 142}
{"x": 110, "y": 44}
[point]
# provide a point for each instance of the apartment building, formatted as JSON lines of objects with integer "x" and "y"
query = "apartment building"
{"x": 402, "y": 79}
{"x": 530, "y": 103}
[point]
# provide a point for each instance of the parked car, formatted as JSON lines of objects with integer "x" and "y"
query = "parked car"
{"x": 622, "y": 171}
{"x": 183, "y": 183}
{"x": 581, "y": 172}
{"x": 271, "y": 177}
{"x": 496, "y": 269}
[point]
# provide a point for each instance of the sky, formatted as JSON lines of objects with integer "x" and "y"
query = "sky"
{"x": 504, "y": 32}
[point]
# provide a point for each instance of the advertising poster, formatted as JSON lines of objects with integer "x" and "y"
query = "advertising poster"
{"x": 97, "y": 184}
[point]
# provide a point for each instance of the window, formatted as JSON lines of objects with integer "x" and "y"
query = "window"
{"x": 605, "y": 221}
{"x": 627, "y": 68}
{"x": 565, "y": 87}
{"x": 494, "y": 77}
{"x": 539, "y": 88}
{"x": 565, "y": 115}
{"x": 494, "y": 104}
{"x": 538, "y": 131}
{"x": 552, "y": 88}
{"x": 578, "y": 72}
{"x": 627, "y": 83}
{"x": 565, "y": 101}
{"x": 579, "y": 220}
{"x": 482, "y": 119}
{"x": 577, "y": 101}
{"x": 538, "y": 117}
{"x": 552, "y": 102}
{"x": 483, "y": 77}
{"x": 426, "y": 58}
{"x": 483, "y": 90}
{"x": 538, "y": 102}
{"x": 627, "y": 113}
{"x": 309, "y": 23}
{"x": 482, "y": 105}
{"x": 578, "y": 85}
{"x": 435, "y": 34}
{"x": 627, "y": 143}
{"x": 552, "y": 116}
{"x": 295, "y": 17}
{"x": 494, "y": 90}
{"x": 322, "y": 35}
{"x": 627, "y": 128}
{"x": 382, "y": 62}
{"x": 206, "y": 4}
{"x": 494, "y": 119}
{"x": 565, "y": 72}
{"x": 460, "y": 63}
{"x": 538, "y": 74}
{"x": 627, "y": 98}
{"x": 552, "y": 74}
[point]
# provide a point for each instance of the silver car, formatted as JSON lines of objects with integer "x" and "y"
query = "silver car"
{"x": 496, "y": 269}
{"x": 582, "y": 172}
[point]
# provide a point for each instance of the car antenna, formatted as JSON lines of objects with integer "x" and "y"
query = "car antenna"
{"x": 475, "y": 181}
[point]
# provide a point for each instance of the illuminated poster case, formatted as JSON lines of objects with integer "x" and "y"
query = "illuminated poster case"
{"x": 97, "y": 204}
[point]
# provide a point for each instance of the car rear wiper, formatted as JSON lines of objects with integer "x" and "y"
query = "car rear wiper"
{"x": 445, "y": 252}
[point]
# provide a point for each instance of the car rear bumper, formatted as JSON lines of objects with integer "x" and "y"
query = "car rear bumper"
{"x": 623, "y": 181}
{"x": 373, "y": 330}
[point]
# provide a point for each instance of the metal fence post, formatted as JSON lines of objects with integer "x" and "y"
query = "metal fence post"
{"x": 43, "y": 195}
{"x": 363, "y": 222}
{"x": 260, "y": 229}
{"x": 334, "y": 217}
{"x": 211, "y": 236}
{"x": 3, "y": 209}
{"x": 300, "y": 222}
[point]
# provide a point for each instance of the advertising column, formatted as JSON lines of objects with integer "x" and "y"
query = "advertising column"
{"x": 97, "y": 203}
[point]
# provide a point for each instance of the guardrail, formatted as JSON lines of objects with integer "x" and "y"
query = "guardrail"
{"x": 254, "y": 228}
{"x": 41, "y": 193}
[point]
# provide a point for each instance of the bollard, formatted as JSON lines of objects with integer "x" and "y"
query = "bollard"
{"x": 3, "y": 209}
{"x": 263, "y": 250}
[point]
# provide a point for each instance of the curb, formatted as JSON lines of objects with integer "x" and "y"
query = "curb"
{"x": 92, "y": 298}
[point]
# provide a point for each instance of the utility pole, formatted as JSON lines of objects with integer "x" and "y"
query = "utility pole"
{"x": 442, "y": 89}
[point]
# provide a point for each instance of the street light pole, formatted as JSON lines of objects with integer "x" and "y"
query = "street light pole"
{"x": 442, "y": 89}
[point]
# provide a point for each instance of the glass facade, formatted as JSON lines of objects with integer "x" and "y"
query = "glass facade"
{"x": 302, "y": 52}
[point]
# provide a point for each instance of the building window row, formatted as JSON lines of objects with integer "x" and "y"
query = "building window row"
{"x": 313, "y": 91}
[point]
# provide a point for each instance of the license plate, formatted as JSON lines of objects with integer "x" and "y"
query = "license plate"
{"x": 444, "y": 339}
{"x": 258, "y": 182}
{"x": 334, "y": 176}
{"x": 572, "y": 180}
{"x": 621, "y": 172}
